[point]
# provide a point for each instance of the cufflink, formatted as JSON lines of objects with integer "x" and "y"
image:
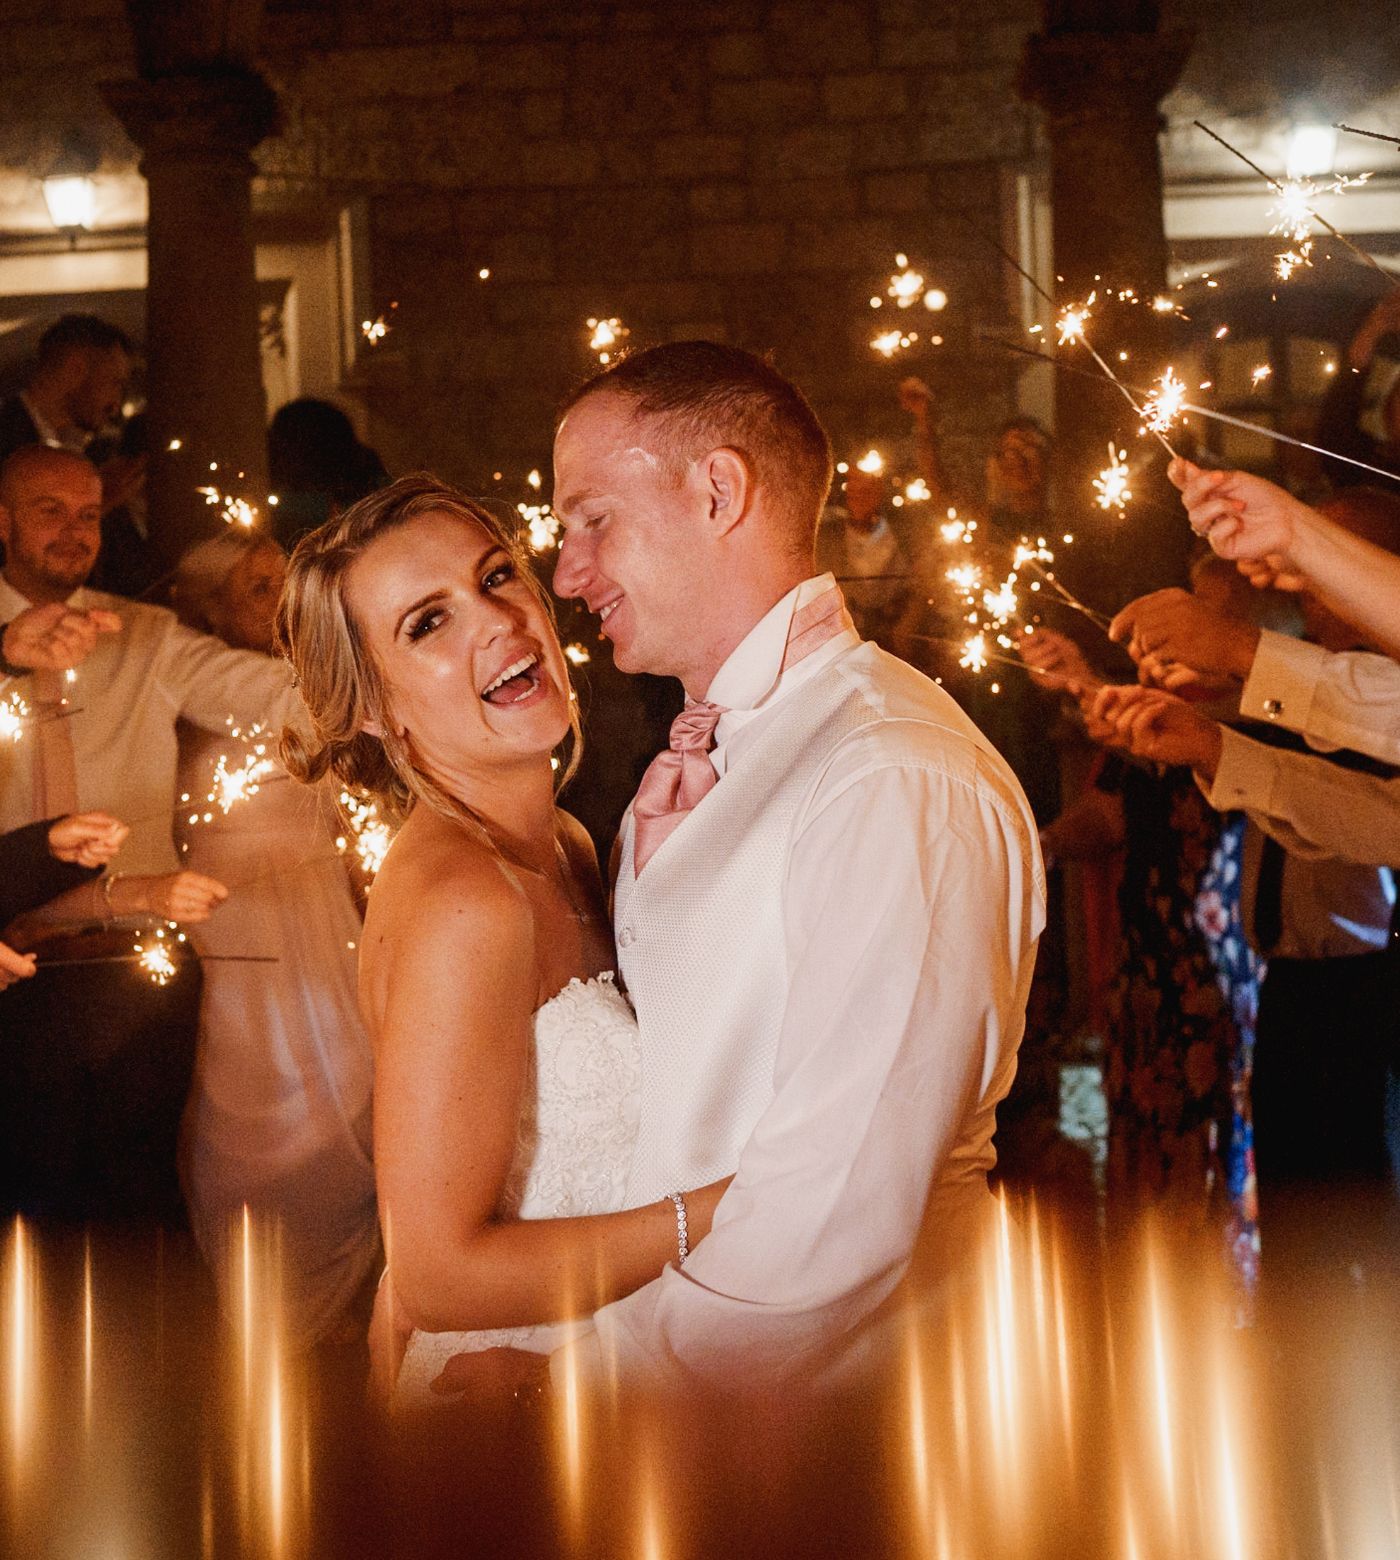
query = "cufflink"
{"x": 1273, "y": 708}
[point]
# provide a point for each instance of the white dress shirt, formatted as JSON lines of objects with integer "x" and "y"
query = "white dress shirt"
{"x": 1348, "y": 699}
{"x": 126, "y": 698}
{"x": 912, "y": 899}
{"x": 1315, "y": 809}
{"x": 1328, "y": 908}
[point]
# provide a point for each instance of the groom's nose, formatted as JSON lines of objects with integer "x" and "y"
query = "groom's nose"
{"x": 571, "y": 571}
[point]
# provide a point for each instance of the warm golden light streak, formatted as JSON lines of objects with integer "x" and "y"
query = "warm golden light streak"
{"x": 21, "y": 1341}
{"x": 87, "y": 1331}
{"x": 1161, "y": 1381}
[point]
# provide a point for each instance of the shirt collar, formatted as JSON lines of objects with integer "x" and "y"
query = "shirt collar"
{"x": 48, "y": 434}
{"x": 12, "y": 603}
{"x": 755, "y": 665}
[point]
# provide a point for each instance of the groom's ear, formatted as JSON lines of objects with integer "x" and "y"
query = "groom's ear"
{"x": 729, "y": 488}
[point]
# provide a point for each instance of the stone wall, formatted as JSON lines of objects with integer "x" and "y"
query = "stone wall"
{"x": 737, "y": 170}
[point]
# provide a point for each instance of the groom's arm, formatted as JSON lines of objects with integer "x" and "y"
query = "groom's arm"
{"x": 912, "y": 906}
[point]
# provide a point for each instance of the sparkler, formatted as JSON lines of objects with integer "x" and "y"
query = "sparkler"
{"x": 606, "y": 338}
{"x": 1111, "y": 484}
{"x": 14, "y": 713}
{"x": 155, "y": 958}
{"x": 888, "y": 342}
{"x": 1164, "y": 404}
{"x": 541, "y": 526}
{"x": 577, "y": 654}
{"x": 872, "y": 463}
{"x": 1373, "y": 135}
{"x": 232, "y": 509}
{"x": 370, "y": 835}
{"x": 375, "y": 330}
{"x": 1294, "y": 211}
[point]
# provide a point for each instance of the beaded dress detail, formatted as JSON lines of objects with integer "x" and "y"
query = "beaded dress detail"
{"x": 574, "y": 1152}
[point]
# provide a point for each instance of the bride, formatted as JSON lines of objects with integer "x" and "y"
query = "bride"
{"x": 507, "y": 1066}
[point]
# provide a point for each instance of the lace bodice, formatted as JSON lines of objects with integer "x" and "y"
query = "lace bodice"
{"x": 577, "y": 1133}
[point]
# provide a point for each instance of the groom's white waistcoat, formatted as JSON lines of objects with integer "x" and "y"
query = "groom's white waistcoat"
{"x": 700, "y": 935}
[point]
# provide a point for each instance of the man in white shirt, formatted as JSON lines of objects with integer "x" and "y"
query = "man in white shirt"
{"x": 829, "y": 949}
{"x": 106, "y": 1053}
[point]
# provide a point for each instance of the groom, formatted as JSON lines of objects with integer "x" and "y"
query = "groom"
{"x": 828, "y": 892}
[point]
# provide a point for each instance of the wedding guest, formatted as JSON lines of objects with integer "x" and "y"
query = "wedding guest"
{"x": 876, "y": 552}
{"x": 75, "y": 390}
{"x": 279, "y": 1112}
{"x": 1183, "y": 999}
{"x": 1342, "y": 413}
{"x": 90, "y": 1101}
{"x": 317, "y": 466}
{"x": 43, "y": 860}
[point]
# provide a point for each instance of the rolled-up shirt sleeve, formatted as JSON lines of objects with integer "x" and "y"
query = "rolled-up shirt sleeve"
{"x": 1314, "y": 808}
{"x": 913, "y": 901}
{"x": 1348, "y": 699}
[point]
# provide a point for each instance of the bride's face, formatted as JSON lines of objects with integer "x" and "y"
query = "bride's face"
{"x": 470, "y": 661}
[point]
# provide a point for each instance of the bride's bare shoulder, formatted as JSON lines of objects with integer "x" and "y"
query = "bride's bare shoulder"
{"x": 438, "y": 879}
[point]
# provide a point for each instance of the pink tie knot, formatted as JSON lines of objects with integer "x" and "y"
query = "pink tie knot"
{"x": 693, "y": 730}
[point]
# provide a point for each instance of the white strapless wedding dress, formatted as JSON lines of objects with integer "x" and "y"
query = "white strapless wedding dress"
{"x": 577, "y": 1134}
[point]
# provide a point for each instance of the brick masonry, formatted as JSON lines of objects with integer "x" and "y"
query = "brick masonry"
{"x": 735, "y": 169}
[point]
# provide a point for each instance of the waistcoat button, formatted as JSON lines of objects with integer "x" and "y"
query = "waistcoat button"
{"x": 626, "y": 937}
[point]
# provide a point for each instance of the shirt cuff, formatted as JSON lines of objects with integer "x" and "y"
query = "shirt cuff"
{"x": 1244, "y": 777}
{"x": 1282, "y": 682}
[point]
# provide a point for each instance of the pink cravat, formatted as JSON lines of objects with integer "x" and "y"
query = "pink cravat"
{"x": 677, "y": 780}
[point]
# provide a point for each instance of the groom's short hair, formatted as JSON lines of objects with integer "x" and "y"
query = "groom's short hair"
{"x": 708, "y": 395}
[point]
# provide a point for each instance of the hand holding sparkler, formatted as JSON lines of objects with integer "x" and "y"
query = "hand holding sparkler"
{"x": 87, "y": 839}
{"x": 1056, "y": 662}
{"x": 1177, "y": 639}
{"x": 186, "y": 897}
{"x": 14, "y": 966}
{"x": 56, "y": 637}
{"x": 1154, "y": 726}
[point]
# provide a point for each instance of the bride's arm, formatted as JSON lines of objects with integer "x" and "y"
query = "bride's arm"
{"x": 451, "y": 1068}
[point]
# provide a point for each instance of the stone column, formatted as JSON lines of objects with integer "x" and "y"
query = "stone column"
{"x": 196, "y": 131}
{"x": 1099, "y": 71}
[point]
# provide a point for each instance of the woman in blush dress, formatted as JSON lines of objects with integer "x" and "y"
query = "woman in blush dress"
{"x": 279, "y": 1112}
{"x": 507, "y": 1067}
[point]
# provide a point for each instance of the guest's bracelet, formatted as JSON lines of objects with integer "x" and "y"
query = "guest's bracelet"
{"x": 682, "y": 1228}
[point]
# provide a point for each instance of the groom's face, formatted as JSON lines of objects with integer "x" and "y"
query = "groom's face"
{"x": 633, "y": 537}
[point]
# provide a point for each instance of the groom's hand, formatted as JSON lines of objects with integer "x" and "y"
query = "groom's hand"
{"x": 495, "y": 1373}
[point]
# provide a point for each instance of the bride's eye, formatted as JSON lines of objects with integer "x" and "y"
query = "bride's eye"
{"x": 502, "y": 574}
{"x": 422, "y": 626}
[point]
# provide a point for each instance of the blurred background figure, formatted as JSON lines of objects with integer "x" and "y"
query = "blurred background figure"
{"x": 279, "y": 1110}
{"x": 879, "y": 555}
{"x": 74, "y": 391}
{"x": 317, "y": 466}
{"x": 1361, "y": 394}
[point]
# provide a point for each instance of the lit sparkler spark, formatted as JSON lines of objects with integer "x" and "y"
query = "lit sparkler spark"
{"x": 13, "y": 714}
{"x": 1162, "y": 304}
{"x": 954, "y": 529}
{"x": 872, "y": 463}
{"x": 917, "y": 491}
{"x": 534, "y": 479}
{"x": 375, "y": 330}
{"x": 232, "y": 510}
{"x": 974, "y": 653}
{"x": 1111, "y": 484}
{"x": 906, "y": 286}
{"x": 541, "y": 526}
{"x": 154, "y": 959}
{"x": 607, "y": 336}
{"x": 577, "y": 654}
{"x": 175, "y": 444}
{"x": 1165, "y": 403}
{"x": 966, "y": 576}
{"x": 1294, "y": 214}
{"x": 1073, "y": 320}
{"x": 1002, "y": 604}
{"x": 888, "y": 342}
{"x": 1260, "y": 374}
{"x": 372, "y": 836}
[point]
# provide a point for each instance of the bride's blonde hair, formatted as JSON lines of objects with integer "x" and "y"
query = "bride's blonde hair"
{"x": 341, "y": 684}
